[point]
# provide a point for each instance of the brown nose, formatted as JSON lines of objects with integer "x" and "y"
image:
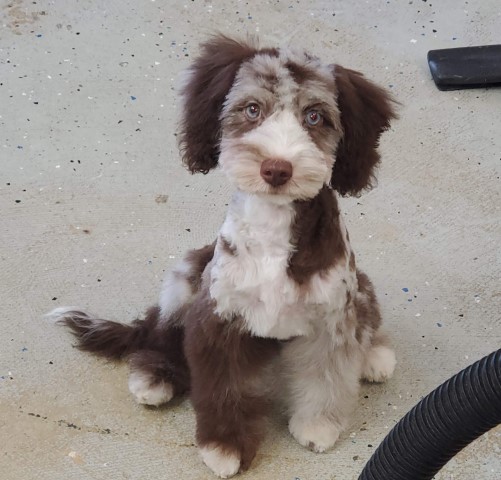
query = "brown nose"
{"x": 276, "y": 172}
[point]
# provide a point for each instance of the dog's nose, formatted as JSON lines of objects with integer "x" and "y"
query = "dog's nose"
{"x": 276, "y": 172}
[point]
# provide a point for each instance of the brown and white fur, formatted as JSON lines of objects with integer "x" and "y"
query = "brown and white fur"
{"x": 279, "y": 286}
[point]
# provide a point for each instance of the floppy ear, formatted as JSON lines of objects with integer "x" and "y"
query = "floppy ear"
{"x": 208, "y": 81}
{"x": 366, "y": 111}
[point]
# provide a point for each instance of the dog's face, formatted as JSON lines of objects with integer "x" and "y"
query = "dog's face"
{"x": 280, "y": 126}
{"x": 281, "y": 123}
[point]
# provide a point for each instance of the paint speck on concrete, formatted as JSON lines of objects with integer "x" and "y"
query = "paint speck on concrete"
{"x": 161, "y": 198}
{"x": 77, "y": 458}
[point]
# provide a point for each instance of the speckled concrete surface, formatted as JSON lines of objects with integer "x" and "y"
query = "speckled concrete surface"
{"x": 95, "y": 206}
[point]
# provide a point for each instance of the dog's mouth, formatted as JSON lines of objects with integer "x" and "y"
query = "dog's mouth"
{"x": 290, "y": 192}
{"x": 280, "y": 193}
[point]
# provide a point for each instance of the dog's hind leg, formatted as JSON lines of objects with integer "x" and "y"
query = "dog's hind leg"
{"x": 148, "y": 378}
{"x": 154, "y": 379}
{"x": 159, "y": 371}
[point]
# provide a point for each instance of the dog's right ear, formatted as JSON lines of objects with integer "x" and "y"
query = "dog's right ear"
{"x": 208, "y": 81}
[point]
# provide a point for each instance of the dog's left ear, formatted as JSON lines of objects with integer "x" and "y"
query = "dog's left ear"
{"x": 208, "y": 81}
{"x": 366, "y": 111}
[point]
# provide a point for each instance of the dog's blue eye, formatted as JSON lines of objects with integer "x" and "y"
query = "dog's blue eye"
{"x": 313, "y": 118}
{"x": 252, "y": 111}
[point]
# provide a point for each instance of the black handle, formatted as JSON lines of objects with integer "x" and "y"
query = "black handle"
{"x": 466, "y": 67}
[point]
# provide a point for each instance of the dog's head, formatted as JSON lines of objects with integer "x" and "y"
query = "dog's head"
{"x": 280, "y": 122}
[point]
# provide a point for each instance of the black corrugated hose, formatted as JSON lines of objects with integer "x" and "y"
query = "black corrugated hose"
{"x": 441, "y": 424}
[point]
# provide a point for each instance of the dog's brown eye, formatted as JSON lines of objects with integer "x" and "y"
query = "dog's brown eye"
{"x": 252, "y": 111}
{"x": 313, "y": 118}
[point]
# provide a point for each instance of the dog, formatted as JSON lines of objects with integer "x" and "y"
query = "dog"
{"x": 276, "y": 305}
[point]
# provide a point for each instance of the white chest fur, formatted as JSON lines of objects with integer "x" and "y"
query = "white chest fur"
{"x": 253, "y": 282}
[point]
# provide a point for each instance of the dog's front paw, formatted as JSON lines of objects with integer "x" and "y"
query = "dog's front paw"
{"x": 148, "y": 393}
{"x": 223, "y": 464}
{"x": 379, "y": 364}
{"x": 317, "y": 434}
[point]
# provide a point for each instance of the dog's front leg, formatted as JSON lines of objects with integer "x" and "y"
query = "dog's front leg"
{"x": 228, "y": 391}
{"x": 323, "y": 380}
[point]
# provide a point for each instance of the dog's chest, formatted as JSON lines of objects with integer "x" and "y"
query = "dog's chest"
{"x": 249, "y": 274}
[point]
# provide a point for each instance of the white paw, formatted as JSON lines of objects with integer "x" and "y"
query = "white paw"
{"x": 379, "y": 364}
{"x": 316, "y": 434}
{"x": 223, "y": 464}
{"x": 141, "y": 387}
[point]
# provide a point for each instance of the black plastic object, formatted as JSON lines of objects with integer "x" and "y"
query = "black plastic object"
{"x": 466, "y": 67}
{"x": 439, "y": 426}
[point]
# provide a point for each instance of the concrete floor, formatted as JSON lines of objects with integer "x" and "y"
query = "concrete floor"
{"x": 95, "y": 206}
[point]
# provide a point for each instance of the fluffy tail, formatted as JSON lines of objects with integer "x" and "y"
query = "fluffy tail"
{"x": 109, "y": 339}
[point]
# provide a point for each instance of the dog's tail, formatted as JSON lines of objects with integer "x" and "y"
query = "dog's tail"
{"x": 106, "y": 338}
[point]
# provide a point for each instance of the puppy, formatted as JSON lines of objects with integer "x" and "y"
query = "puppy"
{"x": 280, "y": 285}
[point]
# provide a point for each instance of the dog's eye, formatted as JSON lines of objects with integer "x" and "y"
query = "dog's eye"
{"x": 313, "y": 118}
{"x": 252, "y": 111}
